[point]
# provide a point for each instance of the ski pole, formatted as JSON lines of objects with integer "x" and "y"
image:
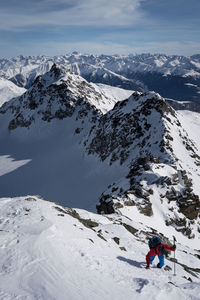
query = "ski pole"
{"x": 174, "y": 256}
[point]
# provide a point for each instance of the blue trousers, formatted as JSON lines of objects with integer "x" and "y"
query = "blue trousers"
{"x": 161, "y": 259}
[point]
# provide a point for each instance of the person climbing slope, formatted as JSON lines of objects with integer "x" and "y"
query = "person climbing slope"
{"x": 157, "y": 248}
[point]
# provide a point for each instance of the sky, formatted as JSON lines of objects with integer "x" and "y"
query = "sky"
{"x": 57, "y": 27}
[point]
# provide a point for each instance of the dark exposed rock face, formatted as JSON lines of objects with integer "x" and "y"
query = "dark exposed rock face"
{"x": 130, "y": 125}
{"x": 106, "y": 207}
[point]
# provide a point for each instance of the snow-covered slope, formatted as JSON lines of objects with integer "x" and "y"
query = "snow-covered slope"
{"x": 9, "y": 90}
{"x": 51, "y": 252}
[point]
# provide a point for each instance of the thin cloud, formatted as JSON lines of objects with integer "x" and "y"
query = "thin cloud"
{"x": 61, "y": 48}
{"x": 37, "y": 6}
{"x": 67, "y": 12}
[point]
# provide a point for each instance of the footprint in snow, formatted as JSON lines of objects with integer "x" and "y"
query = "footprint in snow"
{"x": 140, "y": 284}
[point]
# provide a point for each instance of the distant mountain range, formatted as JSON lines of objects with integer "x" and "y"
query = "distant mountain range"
{"x": 175, "y": 77}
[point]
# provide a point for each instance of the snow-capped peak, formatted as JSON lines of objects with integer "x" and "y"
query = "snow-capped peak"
{"x": 55, "y": 95}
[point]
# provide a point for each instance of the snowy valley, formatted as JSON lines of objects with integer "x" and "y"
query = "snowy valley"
{"x": 85, "y": 147}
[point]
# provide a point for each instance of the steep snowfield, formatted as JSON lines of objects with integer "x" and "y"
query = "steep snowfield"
{"x": 9, "y": 90}
{"x": 50, "y": 252}
{"x": 191, "y": 121}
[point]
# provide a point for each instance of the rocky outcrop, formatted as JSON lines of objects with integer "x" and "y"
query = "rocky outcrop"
{"x": 129, "y": 128}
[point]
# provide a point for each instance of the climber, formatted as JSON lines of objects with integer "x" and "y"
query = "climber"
{"x": 157, "y": 248}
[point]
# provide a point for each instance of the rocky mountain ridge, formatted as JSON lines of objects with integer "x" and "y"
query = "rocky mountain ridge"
{"x": 141, "y": 135}
{"x": 129, "y": 134}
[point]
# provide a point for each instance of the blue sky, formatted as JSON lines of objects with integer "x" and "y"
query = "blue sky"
{"x": 34, "y": 27}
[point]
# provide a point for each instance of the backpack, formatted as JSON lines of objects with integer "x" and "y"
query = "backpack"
{"x": 154, "y": 241}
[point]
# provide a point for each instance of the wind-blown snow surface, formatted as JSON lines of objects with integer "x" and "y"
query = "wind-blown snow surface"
{"x": 9, "y": 90}
{"x": 51, "y": 252}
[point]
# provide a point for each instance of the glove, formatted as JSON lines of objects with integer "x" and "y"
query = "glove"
{"x": 174, "y": 247}
{"x": 147, "y": 267}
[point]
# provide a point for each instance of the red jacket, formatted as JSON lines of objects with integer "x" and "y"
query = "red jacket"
{"x": 157, "y": 251}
